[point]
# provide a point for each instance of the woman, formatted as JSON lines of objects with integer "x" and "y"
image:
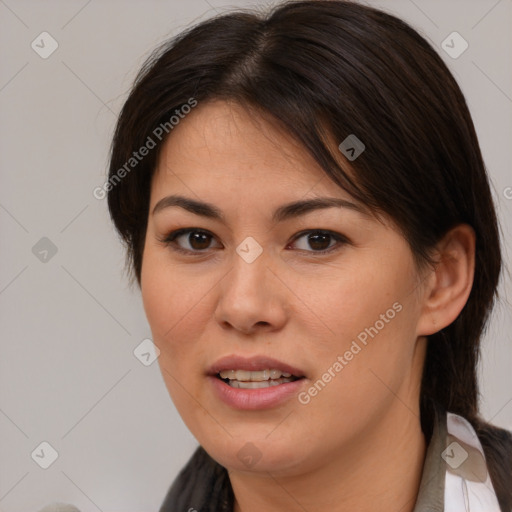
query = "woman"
{"x": 308, "y": 216}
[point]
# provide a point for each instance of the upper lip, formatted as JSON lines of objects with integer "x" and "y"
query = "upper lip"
{"x": 253, "y": 363}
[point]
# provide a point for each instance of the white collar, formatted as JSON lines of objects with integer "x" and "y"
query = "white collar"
{"x": 468, "y": 486}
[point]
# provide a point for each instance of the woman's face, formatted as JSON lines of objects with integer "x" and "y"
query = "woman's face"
{"x": 249, "y": 285}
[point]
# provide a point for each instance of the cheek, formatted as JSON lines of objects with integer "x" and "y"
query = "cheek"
{"x": 176, "y": 306}
{"x": 353, "y": 299}
{"x": 356, "y": 383}
{"x": 371, "y": 320}
{"x": 164, "y": 299}
{"x": 169, "y": 302}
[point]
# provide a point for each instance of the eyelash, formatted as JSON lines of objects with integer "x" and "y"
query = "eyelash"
{"x": 168, "y": 240}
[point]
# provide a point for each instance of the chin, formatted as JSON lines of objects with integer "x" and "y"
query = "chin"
{"x": 257, "y": 456}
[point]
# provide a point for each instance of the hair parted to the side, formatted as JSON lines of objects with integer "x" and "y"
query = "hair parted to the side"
{"x": 325, "y": 69}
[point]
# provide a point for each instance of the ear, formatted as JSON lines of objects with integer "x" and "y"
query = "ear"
{"x": 449, "y": 283}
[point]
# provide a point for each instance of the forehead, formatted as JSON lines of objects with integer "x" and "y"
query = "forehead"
{"x": 223, "y": 140}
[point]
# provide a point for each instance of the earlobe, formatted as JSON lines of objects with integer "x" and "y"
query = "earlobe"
{"x": 450, "y": 282}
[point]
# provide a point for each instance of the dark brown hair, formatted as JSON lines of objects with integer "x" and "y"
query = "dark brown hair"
{"x": 324, "y": 70}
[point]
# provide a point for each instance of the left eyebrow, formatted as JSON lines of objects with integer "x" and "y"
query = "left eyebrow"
{"x": 298, "y": 208}
{"x": 284, "y": 212}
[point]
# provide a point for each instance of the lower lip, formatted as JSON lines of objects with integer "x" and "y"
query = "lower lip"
{"x": 254, "y": 399}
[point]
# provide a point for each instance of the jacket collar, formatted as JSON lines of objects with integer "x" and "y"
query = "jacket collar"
{"x": 455, "y": 475}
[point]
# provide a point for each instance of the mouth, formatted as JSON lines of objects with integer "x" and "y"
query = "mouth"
{"x": 254, "y": 383}
{"x": 256, "y": 379}
{"x": 255, "y": 372}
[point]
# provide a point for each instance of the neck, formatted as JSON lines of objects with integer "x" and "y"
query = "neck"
{"x": 382, "y": 469}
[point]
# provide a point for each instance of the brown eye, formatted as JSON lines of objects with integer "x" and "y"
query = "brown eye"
{"x": 320, "y": 241}
{"x": 198, "y": 240}
{"x": 192, "y": 240}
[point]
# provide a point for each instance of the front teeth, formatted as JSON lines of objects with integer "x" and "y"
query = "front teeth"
{"x": 258, "y": 376}
{"x": 256, "y": 385}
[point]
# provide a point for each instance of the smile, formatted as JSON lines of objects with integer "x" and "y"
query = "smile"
{"x": 255, "y": 379}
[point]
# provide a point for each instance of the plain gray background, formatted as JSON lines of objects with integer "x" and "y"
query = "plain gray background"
{"x": 70, "y": 324}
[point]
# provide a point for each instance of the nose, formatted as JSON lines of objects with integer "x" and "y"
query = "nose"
{"x": 251, "y": 298}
